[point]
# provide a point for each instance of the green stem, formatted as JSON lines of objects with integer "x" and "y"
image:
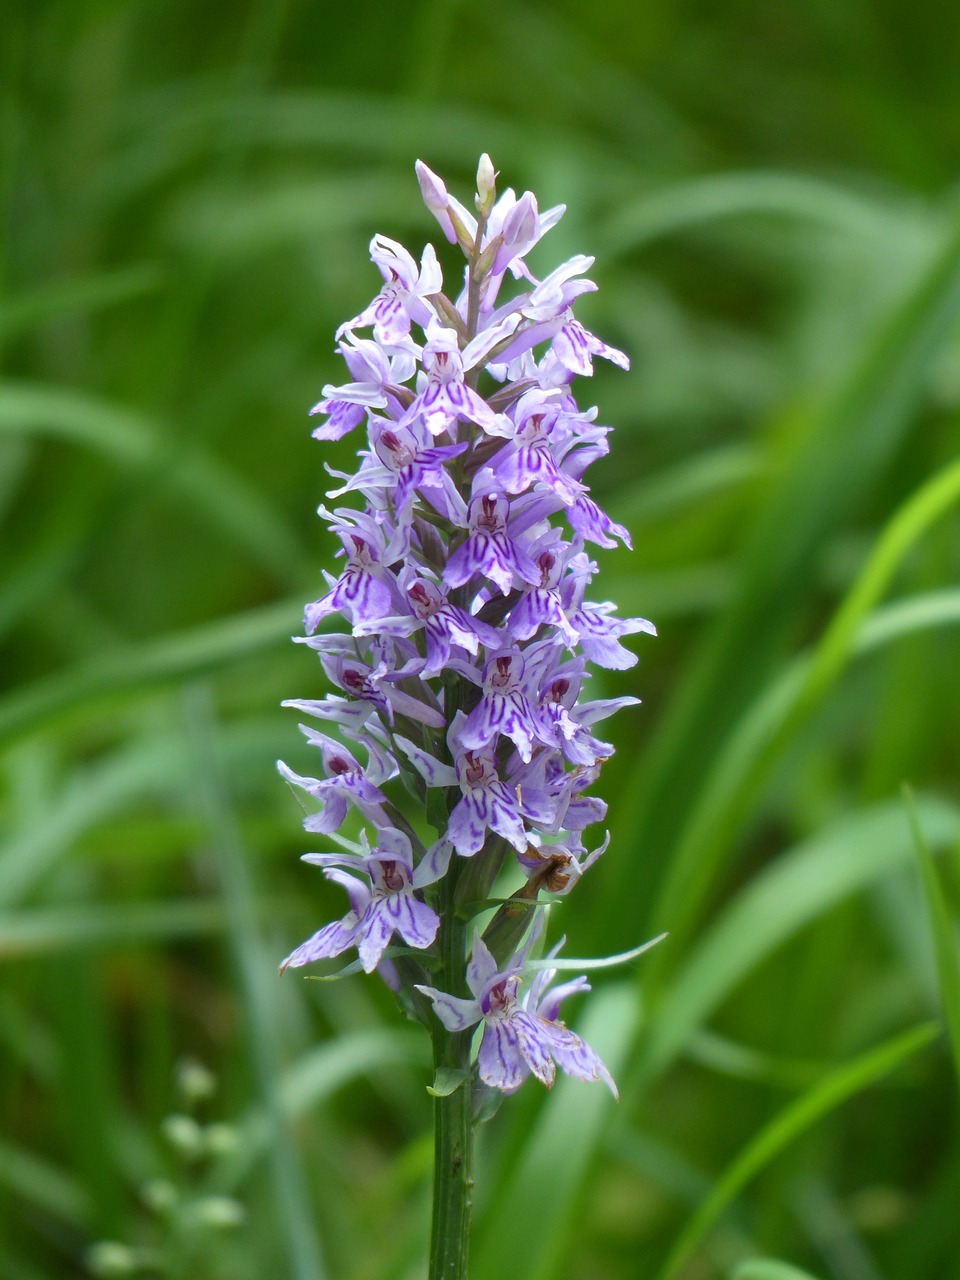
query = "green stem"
{"x": 453, "y": 1114}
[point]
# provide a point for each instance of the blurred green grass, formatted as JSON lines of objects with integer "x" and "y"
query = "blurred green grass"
{"x": 187, "y": 193}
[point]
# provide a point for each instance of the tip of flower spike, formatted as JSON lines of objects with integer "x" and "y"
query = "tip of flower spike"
{"x": 486, "y": 185}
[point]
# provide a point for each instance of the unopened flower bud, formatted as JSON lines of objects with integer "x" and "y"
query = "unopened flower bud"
{"x": 448, "y": 212}
{"x": 486, "y": 185}
{"x": 519, "y": 231}
{"x": 436, "y": 199}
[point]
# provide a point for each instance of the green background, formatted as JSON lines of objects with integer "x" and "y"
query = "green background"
{"x": 187, "y": 192}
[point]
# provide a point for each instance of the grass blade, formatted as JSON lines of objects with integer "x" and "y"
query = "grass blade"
{"x": 46, "y": 930}
{"x": 89, "y": 293}
{"x": 767, "y": 726}
{"x": 858, "y": 434}
{"x": 735, "y": 195}
{"x": 130, "y": 440}
{"x": 941, "y": 928}
{"x": 42, "y": 1185}
{"x": 254, "y": 969}
{"x": 314, "y": 1078}
{"x": 170, "y": 659}
{"x": 769, "y": 1269}
{"x": 843, "y": 1083}
{"x": 800, "y": 886}
{"x": 556, "y": 1155}
{"x": 92, "y": 795}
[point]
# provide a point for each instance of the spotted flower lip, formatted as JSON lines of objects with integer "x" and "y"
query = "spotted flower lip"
{"x": 445, "y": 626}
{"x": 504, "y": 708}
{"x": 490, "y": 550}
{"x": 459, "y": 666}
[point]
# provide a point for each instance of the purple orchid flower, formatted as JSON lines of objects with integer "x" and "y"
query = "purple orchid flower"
{"x": 503, "y": 707}
{"x": 403, "y": 296}
{"x": 529, "y": 458}
{"x": 489, "y": 549}
{"x": 599, "y": 635}
{"x": 575, "y": 348}
{"x": 376, "y": 371}
{"x": 542, "y": 606}
{"x": 365, "y": 588}
{"x": 520, "y": 1037}
{"x": 445, "y": 626}
{"x": 346, "y": 782}
{"x": 385, "y": 905}
{"x": 416, "y": 467}
{"x": 487, "y": 802}
{"x": 446, "y": 398}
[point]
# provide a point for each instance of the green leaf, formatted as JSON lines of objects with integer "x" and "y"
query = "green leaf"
{"x": 769, "y": 1269}
{"x": 566, "y": 963}
{"x": 448, "y": 1080}
{"x": 843, "y": 1083}
{"x": 941, "y": 927}
{"x": 425, "y": 958}
{"x": 348, "y": 971}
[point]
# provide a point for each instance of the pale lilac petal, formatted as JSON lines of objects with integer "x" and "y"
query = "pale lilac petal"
{"x": 434, "y": 863}
{"x": 415, "y": 921}
{"x": 549, "y": 1006}
{"x": 482, "y": 968}
{"x": 502, "y": 1066}
{"x": 331, "y": 940}
{"x": 535, "y": 1045}
{"x": 433, "y": 772}
{"x": 576, "y": 1058}
{"x": 468, "y": 823}
{"x": 505, "y": 815}
{"x": 374, "y": 930}
{"x": 588, "y": 520}
{"x": 455, "y": 1012}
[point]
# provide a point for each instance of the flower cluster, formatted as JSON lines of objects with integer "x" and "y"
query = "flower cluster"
{"x": 464, "y": 582}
